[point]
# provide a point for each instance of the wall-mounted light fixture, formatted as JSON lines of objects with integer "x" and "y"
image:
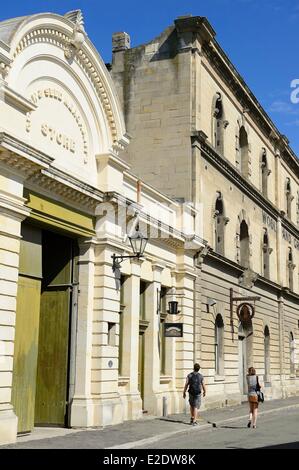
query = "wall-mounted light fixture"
{"x": 173, "y": 307}
{"x": 138, "y": 243}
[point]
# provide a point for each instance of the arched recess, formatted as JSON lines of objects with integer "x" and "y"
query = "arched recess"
{"x": 243, "y": 240}
{"x": 288, "y": 197}
{"x": 290, "y": 269}
{"x": 292, "y": 349}
{"x": 220, "y": 222}
{"x": 77, "y": 115}
{"x": 264, "y": 172}
{"x": 243, "y": 148}
{"x": 219, "y": 123}
{"x": 219, "y": 345}
{"x": 266, "y": 251}
{"x": 267, "y": 360}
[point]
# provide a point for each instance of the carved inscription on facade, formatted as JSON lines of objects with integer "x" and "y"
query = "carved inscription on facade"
{"x": 272, "y": 224}
{"x": 58, "y": 137}
{"x": 54, "y": 134}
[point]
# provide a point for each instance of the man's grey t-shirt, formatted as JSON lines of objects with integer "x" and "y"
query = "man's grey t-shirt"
{"x": 201, "y": 378}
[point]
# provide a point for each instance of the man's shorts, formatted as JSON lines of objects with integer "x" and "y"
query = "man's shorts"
{"x": 195, "y": 401}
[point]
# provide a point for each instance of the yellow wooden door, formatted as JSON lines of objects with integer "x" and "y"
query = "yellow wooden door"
{"x": 52, "y": 371}
{"x": 54, "y": 328}
{"x": 25, "y": 351}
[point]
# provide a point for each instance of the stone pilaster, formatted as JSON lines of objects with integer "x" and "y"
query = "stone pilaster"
{"x": 152, "y": 399}
{"x": 82, "y": 407}
{"x": 131, "y": 340}
{"x": 12, "y": 213}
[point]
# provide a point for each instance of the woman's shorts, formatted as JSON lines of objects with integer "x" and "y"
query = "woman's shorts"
{"x": 195, "y": 401}
{"x": 253, "y": 400}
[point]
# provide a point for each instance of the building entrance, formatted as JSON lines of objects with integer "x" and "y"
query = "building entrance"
{"x": 43, "y": 317}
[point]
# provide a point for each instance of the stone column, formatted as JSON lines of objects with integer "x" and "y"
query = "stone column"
{"x": 281, "y": 346}
{"x": 131, "y": 339}
{"x": 152, "y": 399}
{"x": 12, "y": 213}
{"x": 184, "y": 346}
{"x": 82, "y": 407}
{"x": 279, "y": 254}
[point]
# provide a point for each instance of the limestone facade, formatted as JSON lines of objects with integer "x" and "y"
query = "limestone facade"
{"x": 61, "y": 135}
{"x": 200, "y": 135}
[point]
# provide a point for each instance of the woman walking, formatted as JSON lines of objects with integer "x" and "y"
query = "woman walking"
{"x": 253, "y": 386}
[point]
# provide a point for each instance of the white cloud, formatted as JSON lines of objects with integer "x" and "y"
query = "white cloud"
{"x": 283, "y": 107}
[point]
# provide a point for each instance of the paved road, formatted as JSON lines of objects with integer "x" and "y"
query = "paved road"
{"x": 275, "y": 430}
{"x": 278, "y": 425}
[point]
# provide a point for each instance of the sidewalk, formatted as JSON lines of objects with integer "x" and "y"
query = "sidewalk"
{"x": 143, "y": 432}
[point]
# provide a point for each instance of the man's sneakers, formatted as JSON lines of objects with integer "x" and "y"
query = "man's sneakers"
{"x": 193, "y": 423}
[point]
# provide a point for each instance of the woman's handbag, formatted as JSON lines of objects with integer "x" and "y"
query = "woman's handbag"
{"x": 260, "y": 395}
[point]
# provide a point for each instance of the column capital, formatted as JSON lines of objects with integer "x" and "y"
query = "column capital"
{"x": 157, "y": 269}
{"x": 136, "y": 266}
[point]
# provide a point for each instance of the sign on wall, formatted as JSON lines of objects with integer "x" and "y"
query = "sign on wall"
{"x": 173, "y": 330}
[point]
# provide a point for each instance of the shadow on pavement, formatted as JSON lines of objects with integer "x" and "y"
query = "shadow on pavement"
{"x": 174, "y": 421}
{"x": 232, "y": 427}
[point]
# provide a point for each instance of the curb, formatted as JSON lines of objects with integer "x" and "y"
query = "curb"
{"x": 153, "y": 439}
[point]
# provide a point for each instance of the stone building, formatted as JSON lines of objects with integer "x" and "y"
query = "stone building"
{"x": 200, "y": 135}
{"x": 79, "y": 345}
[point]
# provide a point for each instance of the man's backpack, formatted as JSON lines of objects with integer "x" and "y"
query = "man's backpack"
{"x": 195, "y": 380}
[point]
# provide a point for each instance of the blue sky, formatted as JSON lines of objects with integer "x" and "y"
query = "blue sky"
{"x": 261, "y": 37}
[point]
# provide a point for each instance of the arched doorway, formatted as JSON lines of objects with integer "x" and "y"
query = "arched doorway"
{"x": 245, "y": 336}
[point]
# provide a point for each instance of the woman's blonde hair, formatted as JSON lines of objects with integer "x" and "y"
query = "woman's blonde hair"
{"x": 251, "y": 371}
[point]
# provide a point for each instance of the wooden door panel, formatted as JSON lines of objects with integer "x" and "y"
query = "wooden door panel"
{"x": 51, "y": 389}
{"x": 26, "y": 351}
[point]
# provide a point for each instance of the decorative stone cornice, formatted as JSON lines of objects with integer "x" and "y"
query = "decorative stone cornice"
{"x": 35, "y": 167}
{"x": 13, "y": 206}
{"x": 21, "y": 149}
{"x": 68, "y": 187}
{"x": 12, "y": 97}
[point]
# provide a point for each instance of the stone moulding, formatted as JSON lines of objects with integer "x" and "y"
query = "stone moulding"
{"x": 59, "y": 38}
{"x": 226, "y": 168}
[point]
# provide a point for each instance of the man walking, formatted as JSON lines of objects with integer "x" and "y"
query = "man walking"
{"x": 194, "y": 384}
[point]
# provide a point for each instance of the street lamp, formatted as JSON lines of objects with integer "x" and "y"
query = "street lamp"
{"x": 138, "y": 243}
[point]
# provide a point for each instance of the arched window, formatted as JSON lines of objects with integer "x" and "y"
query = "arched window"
{"x": 264, "y": 173}
{"x": 243, "y": 145}
{"x": 290, "y": 270}
{"x": 266, "y": 253}
{"x": 288, "y": 194}
{"x": 219, "y": 345}
{"x": 267, "y": 354}
{"x": 220, "y": 222}
{"x": 244, "y": 244}
{"x": 292, "y": 354}
{"x": 218, "y": 123}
